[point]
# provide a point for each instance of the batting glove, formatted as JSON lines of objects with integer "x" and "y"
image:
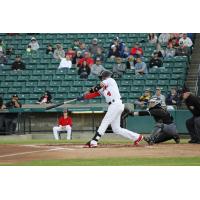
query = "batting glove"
{"x": 81, "y": 98}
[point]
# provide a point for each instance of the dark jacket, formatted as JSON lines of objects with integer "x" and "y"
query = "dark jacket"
{"x": 10, "y": 105}
{"x": 169, "y": 99}
{"x": 193, "y": 104}
{"x": 159, "y": 114}
{"x": 49, "y": 97}
{"x": 155, "y": 62}
{"x": 18, "y": 65}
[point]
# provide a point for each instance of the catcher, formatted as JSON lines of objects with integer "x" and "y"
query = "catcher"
{"x": 109, "y": 89}
{"x": 165, "y": 128}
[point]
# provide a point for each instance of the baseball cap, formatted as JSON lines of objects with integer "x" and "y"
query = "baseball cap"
{"x": 15, "y": 95}
{"x": 147, "y": 90}
{"x": 33, "y": 38}
{"x": 158, "y": 88}
{"x": 65, "y": 111}
{"x": 113, "y": 46}
{"x": 116, "y": 38}
{"x": 95, "y": 39}
{"x": 98, "y": 59}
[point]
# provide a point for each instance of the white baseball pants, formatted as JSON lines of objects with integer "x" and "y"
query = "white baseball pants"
{"x": 57, "y": 129}
{"x": 113, "y": 117}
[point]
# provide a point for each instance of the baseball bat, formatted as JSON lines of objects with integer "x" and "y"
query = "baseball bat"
{"x": 59, "y": 104}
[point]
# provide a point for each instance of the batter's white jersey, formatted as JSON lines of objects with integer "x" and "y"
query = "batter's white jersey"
{"x": 110, "y": 90}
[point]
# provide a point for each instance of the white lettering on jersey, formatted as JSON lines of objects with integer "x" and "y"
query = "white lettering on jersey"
{"x": 110, "y": 90}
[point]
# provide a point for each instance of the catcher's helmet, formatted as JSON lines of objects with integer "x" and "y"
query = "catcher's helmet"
{"x": 105, "y": 74}
{"x": 156, "y": 101}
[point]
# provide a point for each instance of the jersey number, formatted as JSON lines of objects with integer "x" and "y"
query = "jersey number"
{"x": 108, "y": 93}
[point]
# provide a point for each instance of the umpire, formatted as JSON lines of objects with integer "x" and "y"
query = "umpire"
{"x": 165, "y": 128}
{"x": 193, "y": 124}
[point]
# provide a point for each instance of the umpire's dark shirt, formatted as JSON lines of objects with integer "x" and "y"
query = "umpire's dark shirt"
{"x": 159, "y": 114}
{"x": 193, "y": 104}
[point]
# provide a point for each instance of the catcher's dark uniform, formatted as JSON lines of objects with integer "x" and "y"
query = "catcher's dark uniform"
{"x": 193, "y": 124}
{"x": 165, "y": 128}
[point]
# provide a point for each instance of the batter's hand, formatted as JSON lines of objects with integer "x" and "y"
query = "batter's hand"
{"x": 81, "y": 98}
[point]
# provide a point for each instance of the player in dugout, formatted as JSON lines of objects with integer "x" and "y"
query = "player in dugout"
{"x": 109, "y": 89}
{"x": 165, "y": 128}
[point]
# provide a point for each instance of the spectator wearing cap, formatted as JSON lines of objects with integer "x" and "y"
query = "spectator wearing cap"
{"x": 155, "y": 61}
{"x": 99, "y": 54}
{"x": 64, "y": 124}
{"x": 59, "y": 52}
{"x": 142, "y": 101}
{"x": 65, "y": 62}
{"x": 50, "y": 49}
{"x": 11, "y": 118}
{"x": 82, "y": 48}
{"x": 140, "y": 67}
{"x": 173, "y": 98}
{"x": 18, "y": 64}
{"x": 75, "y": 45}
{"x": 45, "y": 98}
{"x": 86, "y": 58}
{"x": 119, "y": 68}
{"x": 34, "y": 44}
{"x": 70, "y": 52}
{"x": 94, "y": 46}
{"x": 160, "y": 96}
{"x": 136, "y": 50}
{"x": 193, "y": 124}
{"x": 97, "y": 68}
{"x": 76, "y": 58}
{"x": 120, "y": 46}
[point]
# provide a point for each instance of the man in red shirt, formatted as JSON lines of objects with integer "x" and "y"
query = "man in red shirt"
{"x": 64, "y": 124}
{"x": 136, "y": 50}
{"x": 86, "y": 58}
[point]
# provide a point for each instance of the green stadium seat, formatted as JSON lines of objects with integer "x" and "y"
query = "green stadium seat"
{"x": 153, "y": 70}
{"x": 128, "y": 76}
{"x": 38, "y": 72}
{"x": 73, "y": 95}
{"x": 27, "y": 90}
{"x": 164, "y": 76}
{"x": 178, "y": 70}
{"x": 95, "y": 100}
{"x": 30, "y": 101}
{"x": 126, "y": 82}
{"x": 177, "y": 76}
{"x": 6, "y": 84}
{"x": 76, "y": 89}
{"x": 55, "y": 83}
{"x": 11, "y": 78}
{"x": 134, "y": 95}
{"x": 43, "y": 83}
{"x": 181, "y": 59}
{"x": 35, "y": 96}
{"x": 151, "y": 76}
{"x": 24, "y": 96}
{"x": 90, "y": 83}
{"x": 70, "y": 77}
{"x": 136, "y": 88}
{"x": 39, "y": 90}
{"x": 46, "y": 78}
{"x": 163, "y": 82}
{"x": 124, "y": 89}
{"x": 165, "y": 70}
{"x": 34, "y": 77}
{"x": 3, "y": 90}
{"x": 180, "y": 64}
{"x": 151, "y": 82}
{"x": 23, "y": 78}
{"x": 31, "y": 84}
{"x": 138, "y": 82}
{"x": 58, "y": 77}
{"x": 49, "y": 72}
{"x": 19, "y": 84}
{"x": 63, "y": 89}
{"x": 15, "y": 90}
{"x": 52, "y": 89}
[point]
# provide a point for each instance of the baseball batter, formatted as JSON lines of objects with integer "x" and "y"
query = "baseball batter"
{"x": 109, "y": 89}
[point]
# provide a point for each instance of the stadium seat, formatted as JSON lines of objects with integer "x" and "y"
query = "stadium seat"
{"x": 164, "y": 76}
{"x": 163, "y": 82}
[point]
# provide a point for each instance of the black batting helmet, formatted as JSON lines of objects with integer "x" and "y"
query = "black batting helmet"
{"x": 105, "y": 74}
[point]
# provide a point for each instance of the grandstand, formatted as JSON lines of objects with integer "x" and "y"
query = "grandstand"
{"x": 42, "y": 74}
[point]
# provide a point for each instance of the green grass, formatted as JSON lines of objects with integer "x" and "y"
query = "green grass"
{"x": 177, "y": 161}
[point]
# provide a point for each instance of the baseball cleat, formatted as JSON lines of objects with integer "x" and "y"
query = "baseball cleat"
{"x": 148, "y": 140}
{"x": 138, "y": 140}
{"x": 91, "y": 144}
{"x": 177, "y": 140}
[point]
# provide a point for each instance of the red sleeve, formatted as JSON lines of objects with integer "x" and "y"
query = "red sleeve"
{"x": 141, "y": 51}
{"x": 133, "y": 51}
{"x": 81, "y": 61}
{"x": 91, "y": 95}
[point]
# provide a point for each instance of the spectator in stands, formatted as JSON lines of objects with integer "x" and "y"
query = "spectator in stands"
{"x": 45, "y": 98}
{"x": 64, "y": 124}
{"x": 126, "y": 52}
{"x": 130, "y": 62}
{"x": 140, "y": 67}
{"x": 11, "y": 118}
{"x": 97, "y": 68}
{"x": 136, "y": 50}
{"x": 119, "y": 68}
{"x": 173, "y": 98}
{"x": 155, "y": 61}
{"x": 185, "y": 44}
{"x": 29, "y": 50}
{"x": 142, "y": 102}
{"x": 76, "y": 45}
{"x": 59, "y": 52}
{"x": 2, "y": 46}
{"x": 152, "y": 38}
{"x": 119, "y": 45}
{"x": 169, "y": 51}
{"x": 86, "y": 58}
{"x": 34, "y": 44}
{"x": 3, "y": 59}
{"x": 84, "y": 70}
{"x": 18, "y": 64}
{"x": 164, "y": 38}
{"x": 71, "y": 53}
{"x": 175, "y": 42}
{"x": 94, "y": 46}
{"x": 76, "y": 58}
{"x": 99, "y": 54}
{"x": 65, "y": 62}
{"x": 113, "y": 52}
{"x": 50, "y": 50}
{"x": 160, "y": 96}
{"x": 82, "y": 48}
{"x": 2, "y": 117}
{"x": 9, "y": 51}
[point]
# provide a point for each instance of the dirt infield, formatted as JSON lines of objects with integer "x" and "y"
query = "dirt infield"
{"x": 16, "y": 154}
